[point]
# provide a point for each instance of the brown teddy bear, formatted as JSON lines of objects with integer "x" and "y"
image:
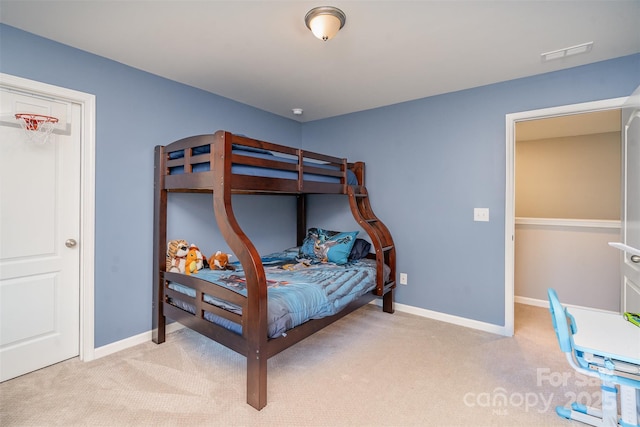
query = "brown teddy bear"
{"x": 176, "y": 251}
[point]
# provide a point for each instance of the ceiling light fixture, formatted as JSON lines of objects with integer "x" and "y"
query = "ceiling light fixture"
{"x": 325, "y": 21}
{"x": 567, "y": 51}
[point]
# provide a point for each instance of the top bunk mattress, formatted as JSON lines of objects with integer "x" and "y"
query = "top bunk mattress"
{"x": 297, "y": 291}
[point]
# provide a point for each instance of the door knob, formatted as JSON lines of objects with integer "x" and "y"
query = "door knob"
{"x": 70, "y": 243}
{"x": 635, "y": 258}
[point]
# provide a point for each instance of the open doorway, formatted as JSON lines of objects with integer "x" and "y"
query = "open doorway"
{"x": 510, "y": 213}
{"x": 567, "y": 207}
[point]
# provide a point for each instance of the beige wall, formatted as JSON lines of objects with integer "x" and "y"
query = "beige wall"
{"x": 574, "y": 177}
{"x": 574, "y": 260}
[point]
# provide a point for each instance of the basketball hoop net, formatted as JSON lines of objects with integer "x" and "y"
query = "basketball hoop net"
{"x": 37, "y": 127}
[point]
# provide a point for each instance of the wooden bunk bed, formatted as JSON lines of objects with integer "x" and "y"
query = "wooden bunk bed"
{"x": 213, "y": 164}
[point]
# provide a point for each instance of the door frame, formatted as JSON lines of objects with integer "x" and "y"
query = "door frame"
{"x": 87, "y": 104}
{"x": 509, "y": 222}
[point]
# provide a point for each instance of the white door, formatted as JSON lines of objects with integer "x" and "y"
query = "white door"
{"x": 631, "y": 205}
{"x": 39, "y": 237}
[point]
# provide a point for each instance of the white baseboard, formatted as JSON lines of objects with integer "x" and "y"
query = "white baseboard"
{"x": 449, "y": 318}
{"x": 435, "y": 315}
{"x": 126, "y": 343}
{"x": 545, "y": 304}
{"x": 531, "y": 301}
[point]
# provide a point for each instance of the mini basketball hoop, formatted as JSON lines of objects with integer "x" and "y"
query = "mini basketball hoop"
{"x": 37, "y": 127}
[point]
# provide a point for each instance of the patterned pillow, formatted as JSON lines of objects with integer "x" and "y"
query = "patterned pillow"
{"x": 326, "y": 245}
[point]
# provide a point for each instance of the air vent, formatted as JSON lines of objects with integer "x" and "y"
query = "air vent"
{"x": 567, "y": 51}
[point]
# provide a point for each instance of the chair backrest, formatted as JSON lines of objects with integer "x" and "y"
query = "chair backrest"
{"x": 560, "y": 324}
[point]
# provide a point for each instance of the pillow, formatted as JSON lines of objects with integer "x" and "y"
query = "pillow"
{"x": 360, "y": 249}
{"x": 326, "y": 245}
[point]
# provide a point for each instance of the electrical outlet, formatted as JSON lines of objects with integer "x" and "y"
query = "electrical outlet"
{"x": 403, "y": 278}
{"x": 481, "y": 214}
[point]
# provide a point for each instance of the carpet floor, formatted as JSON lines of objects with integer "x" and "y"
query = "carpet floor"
{"x": 368, "y": 369}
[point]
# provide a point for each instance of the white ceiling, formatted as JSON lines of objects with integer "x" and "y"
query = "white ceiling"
{"x": 260, "y": 52}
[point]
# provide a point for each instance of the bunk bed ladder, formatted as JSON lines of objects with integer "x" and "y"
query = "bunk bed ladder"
{"x": 385, "y": 250}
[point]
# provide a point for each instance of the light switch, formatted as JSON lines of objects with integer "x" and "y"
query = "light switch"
{"x": 481, "y": 214}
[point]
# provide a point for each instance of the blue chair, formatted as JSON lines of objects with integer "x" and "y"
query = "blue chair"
{"x": 597, "y": 367}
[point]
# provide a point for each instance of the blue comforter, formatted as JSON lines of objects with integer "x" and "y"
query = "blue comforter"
{"x": 298, "y": 290}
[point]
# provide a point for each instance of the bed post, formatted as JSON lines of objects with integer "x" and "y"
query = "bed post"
{"x": 301, "y": 218}
{"x": 254, "y": 318}
{"x": 158, "y": 320}
{"x": 358, "y": 169}
{"x": 385, "y": 251}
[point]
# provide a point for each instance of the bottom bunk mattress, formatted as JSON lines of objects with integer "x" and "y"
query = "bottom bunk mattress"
{"x": 298, "y": 289}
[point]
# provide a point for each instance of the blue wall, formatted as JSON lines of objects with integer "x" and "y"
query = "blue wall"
{"x": 429, "y": 162}
{"x": 135, "y": 112}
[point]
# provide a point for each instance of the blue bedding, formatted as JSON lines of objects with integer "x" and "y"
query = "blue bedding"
{"x": 297, "y": 291}
{"x": 259, "y": 171}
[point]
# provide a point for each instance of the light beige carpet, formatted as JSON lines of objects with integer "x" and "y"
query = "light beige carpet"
{"x": 368, "y": 369}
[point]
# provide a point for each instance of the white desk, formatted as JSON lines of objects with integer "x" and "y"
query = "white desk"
{"x": 610, "y": 342}
{"x": 606, "y": 334}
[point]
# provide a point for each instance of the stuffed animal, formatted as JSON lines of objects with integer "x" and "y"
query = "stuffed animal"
{"x": 220, "y": 261}
{"x": 176, "y": 251}
{"x": 193, "y": 260}
{"x": 183, "y": 258}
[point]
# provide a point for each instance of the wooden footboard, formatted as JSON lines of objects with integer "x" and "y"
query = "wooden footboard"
{"x": 257, "y": 356}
